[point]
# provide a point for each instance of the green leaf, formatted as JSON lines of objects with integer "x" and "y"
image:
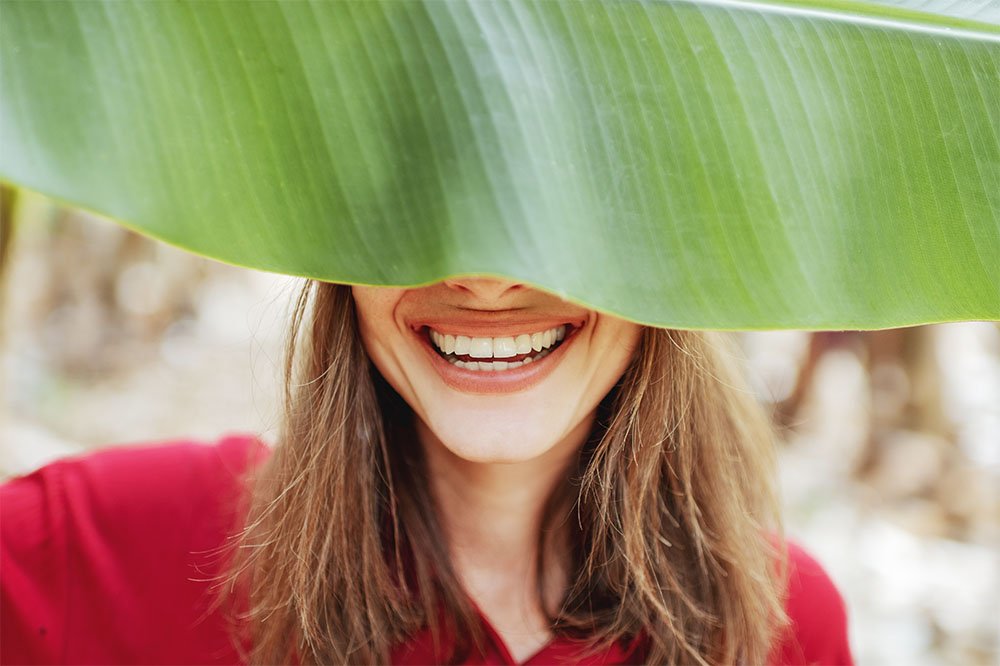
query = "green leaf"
{"x": 722, "y": 164}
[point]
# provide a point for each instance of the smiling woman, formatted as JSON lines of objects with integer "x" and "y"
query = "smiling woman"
{"x": 609, "y": 500}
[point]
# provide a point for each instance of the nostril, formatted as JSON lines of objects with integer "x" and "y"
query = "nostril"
{"x": 456, "y": 285}
{"x": 484, "y": 288}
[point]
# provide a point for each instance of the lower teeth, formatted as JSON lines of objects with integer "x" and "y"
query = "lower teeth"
{"x": 496, "y": 366}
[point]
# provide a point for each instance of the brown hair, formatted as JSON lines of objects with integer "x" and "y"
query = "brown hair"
{"x": 674, "y": 535}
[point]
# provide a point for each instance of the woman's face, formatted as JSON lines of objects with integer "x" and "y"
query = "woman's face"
{"x": 498, "y": 371}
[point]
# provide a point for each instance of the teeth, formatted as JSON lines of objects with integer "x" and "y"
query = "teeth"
{"x": 495, "y": 366}
{"x": 481, "y": 348}
{"x": 504, "y": 347}
{"x": 499, "y": 348}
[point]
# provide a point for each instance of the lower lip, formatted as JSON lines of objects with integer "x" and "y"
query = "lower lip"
{"x": 496, "y": 381}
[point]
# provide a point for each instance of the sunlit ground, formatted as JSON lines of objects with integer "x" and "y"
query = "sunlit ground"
{"x": 112, "y": 339}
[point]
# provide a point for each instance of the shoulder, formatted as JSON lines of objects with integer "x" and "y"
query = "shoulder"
{"x": 131, "y": 489}
{"x": 817, "y": 631}
{"x": 130, "y": 532}
{"x": 161, "y": 463}
{"x": 107, "y": 473}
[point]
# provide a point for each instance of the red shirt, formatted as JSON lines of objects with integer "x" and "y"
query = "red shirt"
{"x": 108, "y": 558}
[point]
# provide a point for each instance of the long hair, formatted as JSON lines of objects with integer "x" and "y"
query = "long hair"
{"x": 674, "y": 533}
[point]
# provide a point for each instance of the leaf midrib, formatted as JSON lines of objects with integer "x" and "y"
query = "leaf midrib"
{"x": 871, "y": 13}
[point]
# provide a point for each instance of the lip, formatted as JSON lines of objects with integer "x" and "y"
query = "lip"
{"x": 502, "y": 381}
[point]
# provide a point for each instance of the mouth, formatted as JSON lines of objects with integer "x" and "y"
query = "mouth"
{"x": 483, "y": 358}
{"x": 497, "y": 354}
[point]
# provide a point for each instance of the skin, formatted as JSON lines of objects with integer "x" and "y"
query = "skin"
{"x": 496, "y": 450}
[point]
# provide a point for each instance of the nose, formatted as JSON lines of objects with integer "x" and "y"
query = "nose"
{"x": 485, "y": 289}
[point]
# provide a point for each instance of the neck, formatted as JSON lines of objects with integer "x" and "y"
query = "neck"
{"x": 492, "y": 513}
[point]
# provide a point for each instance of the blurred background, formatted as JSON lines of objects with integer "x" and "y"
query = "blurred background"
{"x": 890, "y": 453}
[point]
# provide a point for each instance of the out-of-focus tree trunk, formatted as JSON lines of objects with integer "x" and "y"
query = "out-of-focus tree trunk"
{"x": 8, "y": 200}
{"x": 786, "y": 413}
{"x": 903, "y": 373}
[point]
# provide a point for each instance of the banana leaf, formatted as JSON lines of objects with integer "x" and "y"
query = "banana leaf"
{"x": 694, "y": 164}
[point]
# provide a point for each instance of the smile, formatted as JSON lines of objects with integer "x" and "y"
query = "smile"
{"x": 499, "y": 354}
{"x": 477, "y": 355}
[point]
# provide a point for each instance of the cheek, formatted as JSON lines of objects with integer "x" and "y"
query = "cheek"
{"x": 611, "y": 358}
{"x": 376, "y": 305}
{"x": 375, "y": 308}
{"x": 628, "y": 345}
{"x": 615, "y": 349}
{"x": 379, "y": 331}
{"x": 384, "y": 351}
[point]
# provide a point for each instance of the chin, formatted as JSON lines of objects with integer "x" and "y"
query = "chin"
{"x": 480, "y": 443}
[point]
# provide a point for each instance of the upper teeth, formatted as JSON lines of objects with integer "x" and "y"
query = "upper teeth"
{"x": 506, "y": 347}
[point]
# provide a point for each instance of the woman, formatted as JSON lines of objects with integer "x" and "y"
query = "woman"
{"x": 473, "y": 471}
